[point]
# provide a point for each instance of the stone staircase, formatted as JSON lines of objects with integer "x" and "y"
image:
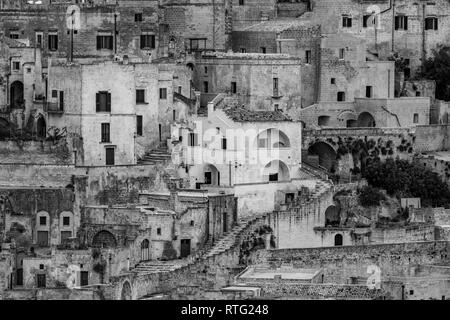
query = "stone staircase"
{"x": 159, "y": 155}
{"x": 226, "y": 242}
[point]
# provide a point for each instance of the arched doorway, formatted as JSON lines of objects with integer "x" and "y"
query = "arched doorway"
{"x": 41, "y": 127}
{"x": 126, "y": 291}
{"x": 145, "y": 250}
{"x": 276, "y": 170}
{"x": 332, "y": 217}
{"x": 211, "y": 175}
{"x": 366, "y": 120}
{"x": 104, "y": 239}
{"x": 16, "y": 94}
{"x": 326, "y": 154}
{"x": 338, "y": 240}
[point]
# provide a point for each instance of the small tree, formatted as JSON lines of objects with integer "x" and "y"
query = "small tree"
{"x": 370, "y": 196}
{"x": 438, "y": 68}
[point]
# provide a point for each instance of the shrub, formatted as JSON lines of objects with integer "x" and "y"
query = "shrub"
{"x": 370, "y": 196}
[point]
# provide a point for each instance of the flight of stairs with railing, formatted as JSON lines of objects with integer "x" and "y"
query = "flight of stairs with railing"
{"x": 227, "y": 242}
{"x": 158, "y": 155}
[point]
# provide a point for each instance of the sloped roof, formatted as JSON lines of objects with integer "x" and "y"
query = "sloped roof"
{"x": 241, "y": 114}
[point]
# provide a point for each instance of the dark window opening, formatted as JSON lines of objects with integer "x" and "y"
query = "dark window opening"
{"x": 192, "y": 139}
{"x": 346, "y": 22}
{"x": 148, "y": 41}
{"x": 401, "y": 23}
{"x": 273, "y": 177}
{"x": 163, "y": 93}
{"x": 233, "y": 87}
{"x": 368, "y": 91}
{"x": 333, "y": 80}
{"x": 416, "y": 118}
{"x": 105, "y": 42}
{"x": 66, "y": 221}
{"x": 158, "y": 231}
{"x": 224, "y": 144}
{"x": 431, "y": 23}
{"x": 263, "y": 49}
{"x": 52, "y": 42}
{"x": 103, "y": 101}
{"x": 341, "y": 96}
{"x": 308, "y": 56}
{"x": 139, "y": 125}
{"x": 109, "y": 156}
{"x": 275, "y": 87}
{"x": 140, "y": 96}
{"x": 43, "y": 221}
{"x": 138, "y": 17}
{"x": 41, "y": 280}
{"x": 105, "y": 132}
{"x": 205, "y": 86}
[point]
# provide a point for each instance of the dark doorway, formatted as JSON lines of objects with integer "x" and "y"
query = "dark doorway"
{"x": 185, "y": 247}
{"x": 289, "y": 198}
{"x": 19, "y": 277}
{"x": 224, "y": 222}
{"x": 208, "y": 177}
{"x": 16, "y": 95}
{"x": 273, "y": 177}
{"x": 109, "y": 156}
{"x": 338, "y": 240}
{"x": 41, "y": 127}
{"x": 42, "y": 238}
{"x": 84, "y": 278}
{"x": 41, "y": 280}
{"x": 145, "y": 250}
{"x": 160, "y": 133}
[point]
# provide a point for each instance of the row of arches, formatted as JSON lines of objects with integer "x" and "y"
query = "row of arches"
{"x": 364, "y": 120}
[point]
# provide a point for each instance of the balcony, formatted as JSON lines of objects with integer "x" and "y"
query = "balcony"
{"x": 53, "y": 107}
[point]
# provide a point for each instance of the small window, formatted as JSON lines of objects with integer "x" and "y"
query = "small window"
{"x": 341, "y": 96}
{"x": 192, "y": 223}
{"x": 417, "y": 93}
{"x": 416, "y": 118}
{"x": 158, "y": 231}
{"x": 140, "y": 96}
{"x": 366, "y": 21}
{"x": 28, "y": 70}
{"x": 163, "y": 93}
{"x": 233, "y": 87}
{"x": 66, "y": 221}
{"x": 104, "y": 42}
{"x": 263, "y": 49}
{"x": 41, "y": 267}
{"x": 273, "y": 177}
{"x": 205, "y": 86}
{"x": 54, "y": 93}
{"x": 16, "y": 65}
{"x": 341, "y": 53}
{"x": 206, "y": 70}
{"x": 110, "y": 156}
{"x": 148, "y": 41}
{"x": 103, "y": 101}
{"x": 52, "y": 42}
{"x": 275, "y": 87}
{"x": 39, "y": 36}
{"x": 368, "y": 91}
{"x": 346, "y": 22}
{"x": 411, "y": 292}
{"x": 243, "y": 50}
{"x": 401, "y": 22}
{"x": 105, "y": 135}
{"x": 139, "y": 125}
{"x": 43, "y": 221}
{"x": 197, "y": 44}
{"x": 431, "y": 23}
{"x": 224, "y": 144}
{"x": 138, "y": 17}
{"x": 241, "y": 2}
{"x": 308, "y": 56}
{"x": 14, "y": 34}
{"x": 333, "y": 81}
{"x": 192, "y": 139}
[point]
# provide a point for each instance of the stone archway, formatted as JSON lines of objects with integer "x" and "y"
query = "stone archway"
{"x": 104, "y": 239}
{"x": 16, "y": 94}
{"x": 125, "y": 293}
{"x": 327, "y": 155}
{"x": 366, "y": 120}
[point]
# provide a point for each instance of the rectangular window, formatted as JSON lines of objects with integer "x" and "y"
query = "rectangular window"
{"x": 346, "y": 22}
{"x": 341, "y": 96}
{"x": 103, "y": 101}
{"x": 158, "y": 231}
{"x": 105, "y": 135}
{"x": 333, "y": 81}
{"x": 241, "y": 2}
{"x": 417, "y": 93}
{"x": 138, "y": 17}
{"x": 275, "y": 87}
{"x": 139, "y": 125}
{"x": 104, "y": 42}
{"x": 39, "y": 37}
{"x": 401, "y": 22}
{"x": 66, "y": 221}
{"x": 42, "y": 221}
{"x": 206, "y": 70}
{"x": 366, "y": 21}
{"x": 14, "y": 34}
{"x": 416, "y": 118}
{"x": 233, "y": 87}
{"x": 368, "y": 91}
{"x": 205, "y": 86}
{"x": 16, "y": 65}
{"x": 61, "y": 100}
{"x": 224, "y": 144}
{"x": 140, "y": 96}
{"x": 341, "y": 53}
{"x": 148, "y": 41}
{"x": 109, "y": 156}
{"x": 243, "y": 50}
{"x": 197, "y": 44}
{"x": 263, "y": 49}
{"x": 53, "y": 42}
{"x": 273, "y": 177}
{"x": 54, "y": 93}
{"x": 192, "y": 139}
{"x": 42, "y": 238}
{"x": 163, "y": 93}
{"x": 431, "y": 23}
{"x": 308, "y": 56}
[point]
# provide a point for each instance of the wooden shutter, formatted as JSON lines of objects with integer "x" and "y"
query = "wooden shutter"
{"x": 97, "y": 102}
{"x": 108, "y": 102}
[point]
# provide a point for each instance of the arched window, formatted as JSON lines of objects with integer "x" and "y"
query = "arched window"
{"x": 126, "y": 291}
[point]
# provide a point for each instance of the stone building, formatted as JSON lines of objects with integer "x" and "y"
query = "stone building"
{"x": 113, "y": 124}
